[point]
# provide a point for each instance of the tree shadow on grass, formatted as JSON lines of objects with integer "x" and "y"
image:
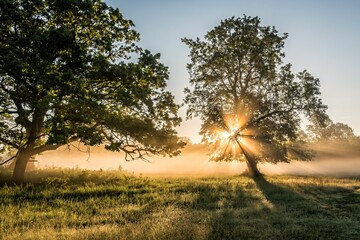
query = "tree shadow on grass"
{"x": 224, "y": 208}
{"x": 234, "y": 209}
{"x": 261, "y": 209}
{"x": 306, "y": 215}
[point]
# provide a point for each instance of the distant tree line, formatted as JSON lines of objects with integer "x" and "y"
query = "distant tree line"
{"x": 333, "y": 132}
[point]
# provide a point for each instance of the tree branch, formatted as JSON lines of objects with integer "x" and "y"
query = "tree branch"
{"x": 256, "y": 121}
{"x": 44, "y": 148}
{"x": 8, "y": 160}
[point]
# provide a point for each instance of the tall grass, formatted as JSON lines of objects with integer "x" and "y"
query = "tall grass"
{"x": 78, "y": 204}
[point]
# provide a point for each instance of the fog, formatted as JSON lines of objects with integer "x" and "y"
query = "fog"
{"x": 331, "y": 160}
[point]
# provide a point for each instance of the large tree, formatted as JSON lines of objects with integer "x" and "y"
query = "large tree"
{"x": 66, "y": 75}
{"x": 250, "y": 102}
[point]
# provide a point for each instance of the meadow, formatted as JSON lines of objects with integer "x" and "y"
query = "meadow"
{"x": 84, "y": 204}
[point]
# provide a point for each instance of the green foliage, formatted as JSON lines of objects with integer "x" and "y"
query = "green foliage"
{"x": 334, "y": 132}
{"x": 238, "y": 75}
{"x": 66, "y": 74}
{"x": 78, "y": 204}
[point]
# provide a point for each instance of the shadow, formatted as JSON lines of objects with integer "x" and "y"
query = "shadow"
{"x": 235, "y": 207}
{"x": 232, "y": 206}
{"x": 309, "y": 211}
{"x": 285, "y": 198}
{"x": 226, "y": 193}
{"x": 257, "y": 208}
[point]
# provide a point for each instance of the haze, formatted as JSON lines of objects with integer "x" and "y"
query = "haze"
{"x": 332, "y": 160}
{"x": 323, "y": 38}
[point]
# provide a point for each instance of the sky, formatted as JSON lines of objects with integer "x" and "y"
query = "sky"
{"x": 324, "y": 38}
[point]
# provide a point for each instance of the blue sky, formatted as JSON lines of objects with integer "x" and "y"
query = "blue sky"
{"x": 324, "y": 38}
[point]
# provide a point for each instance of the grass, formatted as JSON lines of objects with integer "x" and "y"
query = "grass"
{"x": 77, "y": 204}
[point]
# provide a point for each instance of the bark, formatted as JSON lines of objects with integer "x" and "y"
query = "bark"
{"x": 20, "y": 166}
{"x": 252, "y": 167}
{"x": 31, "y": 149}
{"x": 23, "y": 158}
{"x": 30, "y": 166}
{"x": 251, "y": 163}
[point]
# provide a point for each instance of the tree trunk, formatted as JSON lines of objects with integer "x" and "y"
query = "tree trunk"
{"x": 20, "y": 166}
{"x": 251, "y": 164}
{"x": 32, "y": 164}
{"x": 252, "y": 167}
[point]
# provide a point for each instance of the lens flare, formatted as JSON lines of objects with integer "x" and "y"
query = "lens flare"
{"x": 230, "y": 140}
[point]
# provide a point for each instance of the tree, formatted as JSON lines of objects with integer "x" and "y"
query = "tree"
{"x": 66, "y": 74}
{"x": 250, "y": 102}
{"x": 333, "y": 132}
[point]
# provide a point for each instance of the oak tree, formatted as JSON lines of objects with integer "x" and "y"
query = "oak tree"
{"x": 250, "y": 102}
{"x": 70, "y": 70}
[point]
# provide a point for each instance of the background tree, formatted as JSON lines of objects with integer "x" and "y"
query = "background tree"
{"x": 249, "y": 101}
{"x": 66, "y": 75}
{"x": 333, "y": 132}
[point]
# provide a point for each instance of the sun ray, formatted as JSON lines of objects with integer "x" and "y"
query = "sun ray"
{"x": 233, "y": 138}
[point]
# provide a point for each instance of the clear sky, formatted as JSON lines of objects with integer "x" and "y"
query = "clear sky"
{"x": 324, "y": 38}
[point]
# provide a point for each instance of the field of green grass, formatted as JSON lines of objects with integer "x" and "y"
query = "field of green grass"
{"x": 78, "y": 204}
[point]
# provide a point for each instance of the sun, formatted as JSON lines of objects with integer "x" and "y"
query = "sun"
{"x": 233, "y": 139}
{"x": 224, "y": 136}
{"x": 233, "y": 127}
{"x": 229, "y": 137}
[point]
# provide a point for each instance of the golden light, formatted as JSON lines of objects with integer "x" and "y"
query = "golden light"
{"x": 233, "y": 139}
{"x": 225, "y": 136}
{"x": 227, "y": 139}
{"x": 233, "y": 124}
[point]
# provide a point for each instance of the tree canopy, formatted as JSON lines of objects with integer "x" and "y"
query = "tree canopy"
{"x": 250, "y": 102}
{"x": 333, "y": 133}
{"x": 68, "y": 73}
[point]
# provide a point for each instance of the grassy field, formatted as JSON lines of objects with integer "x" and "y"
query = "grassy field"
{"x": 76, "y": 204}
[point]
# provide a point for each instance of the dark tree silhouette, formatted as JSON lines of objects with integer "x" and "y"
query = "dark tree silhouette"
{"x": 66, "y": 75}
{"x": 250, "y": 102}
